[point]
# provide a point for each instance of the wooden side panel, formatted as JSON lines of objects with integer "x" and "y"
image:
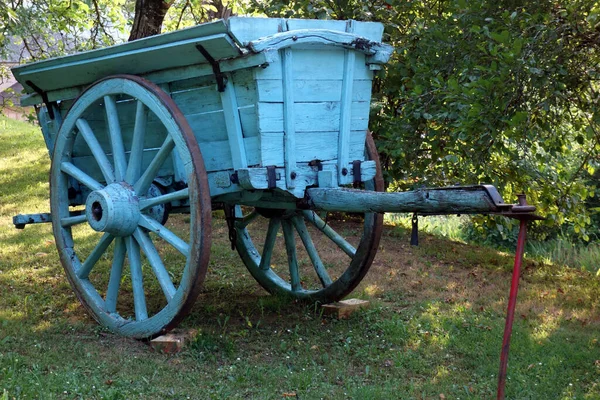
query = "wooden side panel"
{"x": 312, "y": 146}
{"x": 312, "y": 117}
{"x": 318, "y": 64}
{"x": 311, "y": 90}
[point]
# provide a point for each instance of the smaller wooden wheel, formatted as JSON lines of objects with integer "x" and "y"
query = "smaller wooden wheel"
{"x": 136, "y": 271}
{"x": 289, "y": 263}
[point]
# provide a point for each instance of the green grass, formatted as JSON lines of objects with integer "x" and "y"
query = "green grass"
{"x": 434, "y": 326}
{"x": 556, "y": 251}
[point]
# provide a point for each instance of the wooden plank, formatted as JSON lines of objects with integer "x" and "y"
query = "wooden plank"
{"x": 317, "y": 64}
{"x": 313, "y": 146}
{"x": 80, "y": 71}
{"x": 346, "y": 111}
{"x": 256, "y": 178}
{"x": 204, "y": 99}
{"x": 368, "y": 30}
{"x": 249, "y": 121}
{"x": 312, "y": 117}
{"x": 289, "y": 118}
{"x": 245, "y": 87}
{"x": 217, "y": 155}
{"x": 208, "y": 127}
{"x": 168, "y": 75}
{"x": 311, "y": 90}
{"x": 345, "y": 308}
{"x": 173, "y": 342}
{"x": 244, "y": 29}
{"x": 459, "y": 200}
{"x": 233, "y": 126}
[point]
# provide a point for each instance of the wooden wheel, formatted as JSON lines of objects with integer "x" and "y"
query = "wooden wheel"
{"x": 119, "y": 137}
{"x": 286, "y": 235}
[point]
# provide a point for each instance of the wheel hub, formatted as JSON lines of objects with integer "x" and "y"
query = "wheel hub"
{"x": 113, "y": 209}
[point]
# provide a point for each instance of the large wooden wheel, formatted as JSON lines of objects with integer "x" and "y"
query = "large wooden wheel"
{"x": 289, "y": 263}
{"x": 125, "y": 133}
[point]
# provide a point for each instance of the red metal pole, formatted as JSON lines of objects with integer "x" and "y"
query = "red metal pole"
{"x": 510, "y": 313}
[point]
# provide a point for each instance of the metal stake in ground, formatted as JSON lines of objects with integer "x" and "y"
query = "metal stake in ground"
{"x": 512, "y": 301}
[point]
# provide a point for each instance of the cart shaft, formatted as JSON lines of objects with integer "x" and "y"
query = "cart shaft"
{"x": 451, "y": 200}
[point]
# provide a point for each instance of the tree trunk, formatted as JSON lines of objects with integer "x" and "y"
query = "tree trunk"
{"x": 149, "y": 16}
{"x": 223, "y": 12}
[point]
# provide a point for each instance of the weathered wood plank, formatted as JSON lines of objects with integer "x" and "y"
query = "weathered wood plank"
{"x": 289, "y": 118}
{"x": 243, "y": 30}
{"x": 85, "y": 68}
{"x": 311, "y": 90}
{"x": 312, "y": 117}
{"x": 429, "y": 201}
{"x": 313, "y": 146}
{"x": 368, "y": 30}
{"x": 163, "y": 76}
{"x": 317, "y": 64}
{"x": 346, "y": 110}
{"x": 256, "y": 178}
{"x": 233, "y": 126}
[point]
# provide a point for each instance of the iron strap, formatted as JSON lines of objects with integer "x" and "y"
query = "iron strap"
{"x": 219, "y": 76}
{"x": 44, "y": 96}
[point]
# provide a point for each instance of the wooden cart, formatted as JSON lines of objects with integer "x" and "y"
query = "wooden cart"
{"x": 264, "y": 118}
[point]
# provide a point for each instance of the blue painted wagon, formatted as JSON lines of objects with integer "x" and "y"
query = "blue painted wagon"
{"x": 264, "y": 118}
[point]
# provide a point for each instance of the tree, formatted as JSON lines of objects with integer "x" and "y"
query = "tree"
{"x": 150, "y": 14}
{"x": 486, "y": 92}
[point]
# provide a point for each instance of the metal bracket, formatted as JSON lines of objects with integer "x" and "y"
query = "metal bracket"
{"x": 230, "y": 219}
{"x": 271, "y": 177}
{"x": 356, "y": 176}
{"x": 235, "y": 178}
{"x": 219, "y": 76}
{"x": 44, "y": 96}
{"x": 414, "y": 235}
{"x": 316, "y": 163}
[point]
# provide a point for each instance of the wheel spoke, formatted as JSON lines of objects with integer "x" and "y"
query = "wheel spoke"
{"x": 143, "y": 184}
{"x": 137, "y": 282}
{"x": 265, "y": 260}
{"x": 154, "y": 226}
{"x": 86, "y": 267}
{"x": 96, "y": 149}
{"x": 346, "y": 247}
{"x": 165, "y": 198}
{"x": 116, "y": 139}
{"x": 312, "y": 251}
{"x": 74, "y": 220}
{"x": 290, "y": 247}
{"x": 137, "y": 144}
{"x": 71, "y": 170}
{"x": 115, "y": 276}
{"x": 161, "y": 273}
{"x": 245, "y": 221}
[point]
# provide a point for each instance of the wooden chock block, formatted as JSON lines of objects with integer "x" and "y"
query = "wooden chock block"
{"x": 344, "y": 308}
{"x": 171, "y": 342}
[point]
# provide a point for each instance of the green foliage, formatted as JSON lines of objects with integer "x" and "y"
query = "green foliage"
{"x": 52, "y": 27}
{"x": 486, "y": 92}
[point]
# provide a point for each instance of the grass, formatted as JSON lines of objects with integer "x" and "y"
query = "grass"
{"x": 556, "y": 251}
{"x": 433, "y": 330}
